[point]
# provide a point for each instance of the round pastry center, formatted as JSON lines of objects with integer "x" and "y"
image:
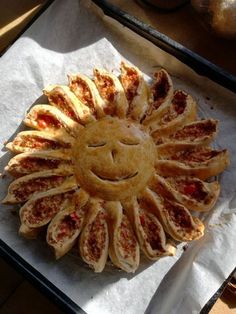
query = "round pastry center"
{"x": 113, "y": 158}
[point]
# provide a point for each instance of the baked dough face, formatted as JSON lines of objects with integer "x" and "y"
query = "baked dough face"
{"x": 114, "y": 167}
{"x": 114, "y": 159}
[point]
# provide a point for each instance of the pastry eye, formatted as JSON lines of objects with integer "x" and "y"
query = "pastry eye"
{"x": 97, "y": 144}
{"x": 130, "y": 142}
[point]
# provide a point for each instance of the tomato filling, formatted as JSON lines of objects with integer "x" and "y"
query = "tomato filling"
{"x": 62, "y": 101}
{"x": 24, "y": 191}
{"x": 130, "y": 83}
{"x": 67, "y": 227}
{"x": 194, "y": 131}
{"x": 194, "y": 189}
{"x": 127, "y": 240}
{"x": 178, "y": 215}
{"x": 159, "y": 90}
{"x": 177, "y": 108}
{"x": 82, "y": 91}
{"x": 33, "y": 164}
{"x": 44, "y": 209}
{"x": 151, "y": 229}
{"x": 198, "y": 155}
{"x": 35, "y": 142}
{"x": 47, "y": 121}
{"x": 96, "y": 237}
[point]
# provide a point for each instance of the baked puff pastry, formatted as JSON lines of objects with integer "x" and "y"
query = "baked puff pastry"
{"x": 64, "y": 99}
{"x": 161, "y": 96}
{"x": 87, "y": 93}
{"x": 203, "y": 162}
{"x": 52, "y": 120}
{"x": 175, "y": 218}
{"x": 41, "y": 208}
{"x": 21, "y": 189}
{"x": 94, "y": 238}
{"x": 191, "y": 192}
{"x": 66, "y": 226}
{"x": 181, "y": 111}
{"x": 31, "y": 141}
{"x": 197, "y": 133}
{"x": 148, "y": 229}
{"x": 30, "y": 162}
{"x": 136, "y": 90}
{"x": 123, "y": 247}
{"x": 112, "y": 92}
{"x": 115, "y": 165}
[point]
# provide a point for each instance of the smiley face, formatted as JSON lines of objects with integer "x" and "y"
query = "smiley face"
{"x": 113, "y": 158}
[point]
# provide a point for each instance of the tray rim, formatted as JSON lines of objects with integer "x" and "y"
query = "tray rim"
{"x": 197, "y": 63}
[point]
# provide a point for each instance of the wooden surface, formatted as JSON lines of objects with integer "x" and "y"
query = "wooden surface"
{"x": 17, "y": 296}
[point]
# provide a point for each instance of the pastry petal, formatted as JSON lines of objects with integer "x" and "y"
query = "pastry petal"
{"x": 26, "y": 163}
{"x": 112, "y": 92}
{"x": 94, "y": 238}
{"x": 21, "y": 189}
{"x": 30, "y": 141}
{"x": 41, "y": 208}
{"x": 87, "y": 93}
{"x": 64, "y": 99}
{"x": 174, "y": 217}
{"x": 148, "y": 229}
{"x": 191, "y": 192}
{"x": 182, "y": 111}
{"x": 136, "y": 90}
{"x": 66, "y": 226}
{"x": 161, "y": 96}
{"x": 123, "y": 247}
{"x": 197, "y": 133}
{"x": 202, "y": 162}
{"x": 50, "y": 119}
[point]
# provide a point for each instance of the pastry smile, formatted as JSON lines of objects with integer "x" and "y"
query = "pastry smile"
{"x": 104, "y": 178}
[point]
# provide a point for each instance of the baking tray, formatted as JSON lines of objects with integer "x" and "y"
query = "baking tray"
{"x": 194, "y": 61}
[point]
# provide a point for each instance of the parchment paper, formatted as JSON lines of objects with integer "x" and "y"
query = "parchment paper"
{"x": 68, "y": 38}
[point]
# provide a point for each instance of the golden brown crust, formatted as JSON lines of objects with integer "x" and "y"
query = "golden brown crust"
{"x": 181, "y": 111}
{"x": 188, "y": 191}
{"x": 136, "y": 90}
{"x": 23, "y": 188}
{"x": 200, "y": 162}
{"x": 112, "y": 92}
{"x": 174, "y": 217}
{"x": 31, "y": 141}
{"x": 41, "y": 208}
{"x": 160, "y": 99}
{"x": 123, "y": 246}
{"x": 30, "y": 162}
{"x": 52, "y": 120}
{"x": 197, "y": 133}
{"x": 65, "y": 100}
{"x": 149, "y": 231}
{"x": 94, "y": 238}
{"x": 126, "y": 159}
{"x": 87, "y": 93}
{"x": 66, "y": 226}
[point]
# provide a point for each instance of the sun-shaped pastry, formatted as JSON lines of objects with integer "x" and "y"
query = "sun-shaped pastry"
{"x": 116, "y": 166}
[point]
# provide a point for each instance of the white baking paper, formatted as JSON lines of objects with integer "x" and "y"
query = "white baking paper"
{"x": 68, "y": 38}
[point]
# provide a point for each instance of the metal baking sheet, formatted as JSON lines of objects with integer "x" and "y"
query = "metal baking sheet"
{"x": 53, "y": 47}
